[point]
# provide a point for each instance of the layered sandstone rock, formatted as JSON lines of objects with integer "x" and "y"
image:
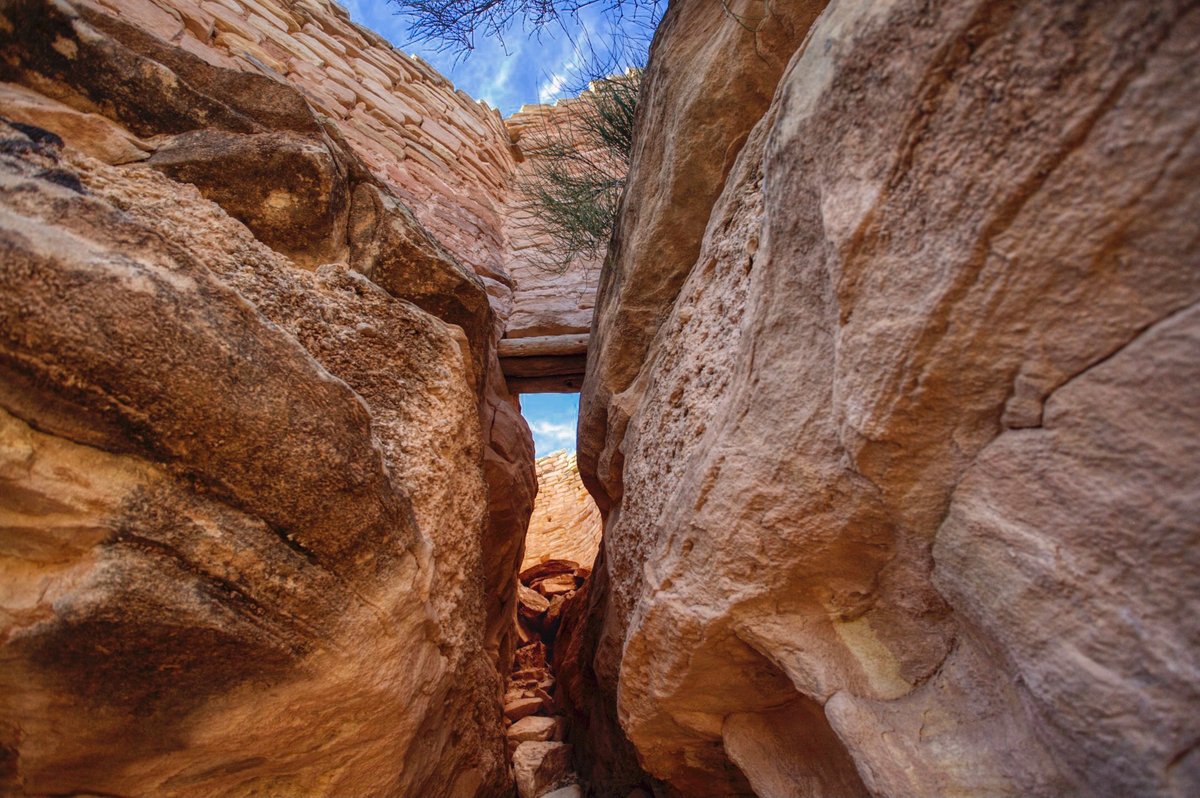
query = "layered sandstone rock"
{"x": 552, "y": 298}
{"x": 264, "y": 491}
{"x": 565, "y": 524}
{"x": 898, "y": 452}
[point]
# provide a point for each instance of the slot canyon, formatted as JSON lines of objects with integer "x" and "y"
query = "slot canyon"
{"x": 886, "y": 479}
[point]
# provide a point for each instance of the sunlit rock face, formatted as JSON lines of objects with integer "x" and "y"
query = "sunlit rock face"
{"x": 565, "y": 524}
{"x": 262, "y": 489}
{"x": 897, "y": 446}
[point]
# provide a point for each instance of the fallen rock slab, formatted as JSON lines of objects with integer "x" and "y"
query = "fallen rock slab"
{"x": 540, "y": 767}
{"x": 518, "y": 708}
{"x": 535, "y": 729}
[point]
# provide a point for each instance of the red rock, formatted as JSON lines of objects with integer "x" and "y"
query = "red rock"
{"x": 518, "y": 708}
{"x": 555, "y": 585}
{"x": 540, "y": 767}
{"x": 532, "y": 604}
{"x": 547, "y": 568}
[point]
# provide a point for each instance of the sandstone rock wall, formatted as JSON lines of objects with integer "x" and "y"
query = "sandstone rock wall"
{"x": 565, "y": 524}
{"x": 552, "y": 299}
{"x": 263, "y": 490}
{"x": 894, "y": 425}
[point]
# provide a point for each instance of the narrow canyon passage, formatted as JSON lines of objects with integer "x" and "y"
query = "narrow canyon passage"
{"x": 561, "y": 545}
{"x": 879, "y": 477}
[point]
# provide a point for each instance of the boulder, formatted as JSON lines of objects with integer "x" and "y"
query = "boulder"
{"x": 291, "y": 191}
{"x": 521, "y": 707}
{"x": 555, "y": 585}
{"x": 925, "y": 392}
{"x": 531, "y": 603}
{"x": 541, "y": 767}
{"x": 547, "y": 568}
{"x": 391, "y": 247}
{"x": 234, "y": 441}
{"x": 534, "y": 728}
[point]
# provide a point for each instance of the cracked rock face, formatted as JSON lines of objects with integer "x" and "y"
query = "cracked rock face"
{"x": 928, "y": 395}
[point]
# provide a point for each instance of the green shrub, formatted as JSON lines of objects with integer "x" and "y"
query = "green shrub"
{"x": 577, "y": 170}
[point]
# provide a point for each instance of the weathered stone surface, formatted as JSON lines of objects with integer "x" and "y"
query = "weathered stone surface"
{"x": 98, "y": 62}
{"x": 541, "y": 767}
{"x": 717, "y": 74}
{"x": 900, "y": 466}
{"x": 296, "y": 197}
{"x": 92, "y": 133}
{"x": 535, "y": 729}
{"x": 249, "y": 499}
{"x": 565, "y": 527}
{"x": 556, "y": 585}
{"x": 532, "y": 603}
{"x": 523, "y": 707}
{"x": 233, "y": 67}
{"x": 290, "y": 191}
{"x": 389, "y": 245}
{"x": 403, "y": 535}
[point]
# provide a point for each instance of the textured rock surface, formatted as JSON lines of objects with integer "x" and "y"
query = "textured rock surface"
{"x": 714, "y": 76}
{"x": 541, "y": 767}
{"x": 549, "y": 298}
{"x": 899, "y": 459}
{"x": 565, "y": 524}
{"x": 261, "y": 515}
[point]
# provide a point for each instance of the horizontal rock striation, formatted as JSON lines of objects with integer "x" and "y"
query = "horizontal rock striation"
{"x": 565, "y": 524}
{"x": 896, "y": 435}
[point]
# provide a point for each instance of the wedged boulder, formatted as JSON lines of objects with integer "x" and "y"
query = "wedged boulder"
{"x": 556, "y": 585}
{"x": 531, "y": 604}
{"x": 535, "y": 729}
{"x": 291, "y": 191}
{"x": 546, "y": 569}
{"x": 520, "y": 707}
{"x": 541, "y": 767}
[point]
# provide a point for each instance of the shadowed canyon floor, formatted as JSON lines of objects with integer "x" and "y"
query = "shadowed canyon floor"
{"x": 888, "y": 468}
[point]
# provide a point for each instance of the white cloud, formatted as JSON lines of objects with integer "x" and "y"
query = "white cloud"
{"x": 551, "y": 435}
{"x": 552, "y": 88}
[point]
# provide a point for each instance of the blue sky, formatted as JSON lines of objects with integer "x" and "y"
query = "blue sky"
{"x": 552, "y": 417}
{"x": 525, "y": 69}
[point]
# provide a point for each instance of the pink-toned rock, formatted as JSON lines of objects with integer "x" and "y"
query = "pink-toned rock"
{"x": 534, "y": 728}
{"x": 518, "y": 708}
{"x": 540, "y": 767}
{"x": 901, "y": 474}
